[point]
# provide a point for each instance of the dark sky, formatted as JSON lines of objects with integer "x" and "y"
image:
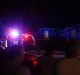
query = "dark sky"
{"x": 57, "y": 13}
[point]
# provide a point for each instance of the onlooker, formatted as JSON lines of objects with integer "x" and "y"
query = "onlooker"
{"x": 70, "y": 65}
{"x": 47, "y": 64}
{"x": 2, "y": 60}
{"x": 15, "y": 57}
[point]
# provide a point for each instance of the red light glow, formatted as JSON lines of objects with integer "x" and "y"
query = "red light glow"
{"x": 35, "y": 63}
{"x": 26, "y": 36}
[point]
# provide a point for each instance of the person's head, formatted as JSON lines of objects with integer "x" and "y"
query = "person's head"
{"x": 70, "y": 49}
{"x": 49, "y": 47}
{"x": 78, "y": 48}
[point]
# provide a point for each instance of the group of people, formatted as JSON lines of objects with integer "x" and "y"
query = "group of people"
{"x": 70, "y": 65}
{"x": 11, "y": 61}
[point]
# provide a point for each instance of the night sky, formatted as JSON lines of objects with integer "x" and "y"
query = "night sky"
{"x": 56, "y": 13}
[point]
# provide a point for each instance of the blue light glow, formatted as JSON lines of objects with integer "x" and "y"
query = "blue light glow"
{"x": 67, "y": 34}
{"x": 14, "y": 33}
